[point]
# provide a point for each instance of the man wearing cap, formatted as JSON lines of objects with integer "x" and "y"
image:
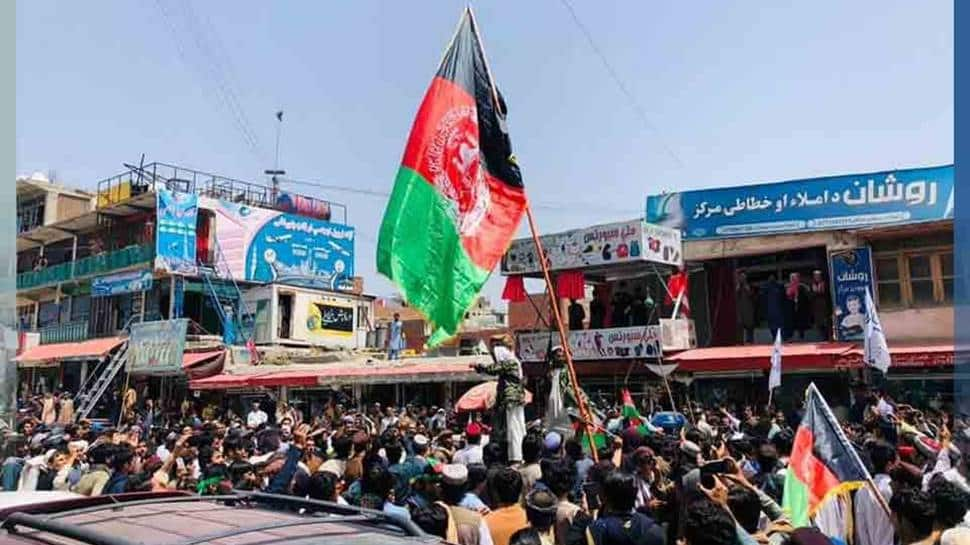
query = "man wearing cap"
{"x": 510, "y": 396}
{"x": 472, "y": 453}
{"x": 465, "y": 526}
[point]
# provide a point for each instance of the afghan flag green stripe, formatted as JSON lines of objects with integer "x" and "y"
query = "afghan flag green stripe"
{"x": 822, "y": 463}
{"x": 458, "y": 198}
{"x": 421, "y": 250}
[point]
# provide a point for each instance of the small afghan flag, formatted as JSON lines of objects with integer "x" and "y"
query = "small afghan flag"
{"x": 822, "y": 465}
{"x": 458, "y": 197}
{"x": 632, "y": 415}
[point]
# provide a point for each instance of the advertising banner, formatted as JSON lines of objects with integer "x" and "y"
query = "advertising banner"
{"x": 175, "y": 239}
{"x": 328, "y": 319}
{"x": 622, "y": 242}
{"x": 263, "y": 245}
{"x": 125, "y": 282}
{"x": 851, "y": 277}
{"x": 155, "y": 348}
{"x": 595, "y": 344}
{"x": 837, "y": 202}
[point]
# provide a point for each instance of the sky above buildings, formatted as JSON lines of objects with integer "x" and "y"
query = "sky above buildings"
{"x": 608, "y": 102}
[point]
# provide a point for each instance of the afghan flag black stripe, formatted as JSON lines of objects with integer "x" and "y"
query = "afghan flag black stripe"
{"x": 822, "y": 462}
{"x": 458, "y": 198}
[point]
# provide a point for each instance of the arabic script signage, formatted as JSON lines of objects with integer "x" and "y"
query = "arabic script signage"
{"x": 595, "y": 344}
{"x": 837, "y": 202}
{"x": 124, "y": 282}
{"x": 851, "y": 277}
{"x": 155, "y": 348}
{"x": 621, "y": 242}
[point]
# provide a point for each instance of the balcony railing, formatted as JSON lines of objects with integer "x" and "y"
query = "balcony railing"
{"x": 64, "y": 333}
{"x": 157, "y": 176}
{"x": 88, "y": 266}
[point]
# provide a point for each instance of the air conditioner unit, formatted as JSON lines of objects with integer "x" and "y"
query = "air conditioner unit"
{"x": 677, "y": 334}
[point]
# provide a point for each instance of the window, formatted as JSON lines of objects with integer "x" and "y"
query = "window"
{"x": 914, "y": 278}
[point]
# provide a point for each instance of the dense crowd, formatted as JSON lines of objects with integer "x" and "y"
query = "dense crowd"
{"x": 716, "y": 481}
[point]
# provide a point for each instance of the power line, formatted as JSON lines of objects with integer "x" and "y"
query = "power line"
{"x": 634, "y": 103}
{"x": 214, "y": 81}
{"x": 548, "y": 206}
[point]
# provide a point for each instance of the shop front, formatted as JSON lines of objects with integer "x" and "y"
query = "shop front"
{"x": 614, "y": 291}
{"x": 800, "y": 256}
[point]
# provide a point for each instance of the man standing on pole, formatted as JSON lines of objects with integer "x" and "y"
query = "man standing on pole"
{"x": 509, "y": 421}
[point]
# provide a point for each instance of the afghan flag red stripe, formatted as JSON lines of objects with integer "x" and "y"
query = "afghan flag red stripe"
{"x": 822, "y": 462}
{"x": 458, "y": 198}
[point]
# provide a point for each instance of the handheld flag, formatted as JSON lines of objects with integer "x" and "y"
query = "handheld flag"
{"x": 774, "y": 379}
{"x": 458, "y": 197}
{"x": 822, "y": 465}
{"x": 633, "y": 416}
{"x": 875, "y": 348}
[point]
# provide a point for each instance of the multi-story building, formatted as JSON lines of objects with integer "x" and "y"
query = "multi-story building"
{"x": 242, "y": 264}
{"x": 809, "y": 250}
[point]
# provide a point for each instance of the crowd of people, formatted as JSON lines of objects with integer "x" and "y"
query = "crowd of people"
{"x": 718, "y": 480}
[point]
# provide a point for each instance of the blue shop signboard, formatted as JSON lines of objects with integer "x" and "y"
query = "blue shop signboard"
{"x": 851, "y": 278}
{"x": 125, "y": 282}
{"x": 837, "y": 202}
{"x": 175, "y": 239}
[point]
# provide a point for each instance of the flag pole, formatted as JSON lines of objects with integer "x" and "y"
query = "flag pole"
{"x": 855, "y": 455}
{"x": 563, "y": 337}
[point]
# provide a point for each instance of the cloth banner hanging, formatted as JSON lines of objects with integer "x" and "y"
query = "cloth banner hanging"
{"x": 514, "y": 290}
{"x": 571, "y": 285}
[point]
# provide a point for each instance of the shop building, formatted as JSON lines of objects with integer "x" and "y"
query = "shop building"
{"x": 889, "y": 233}
{"x": 241, "y": 264}
{"x": 611, "y": 287}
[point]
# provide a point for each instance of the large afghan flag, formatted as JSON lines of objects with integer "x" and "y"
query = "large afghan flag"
{"x": 822, "y": 465}
{"x": 458, "y": 197}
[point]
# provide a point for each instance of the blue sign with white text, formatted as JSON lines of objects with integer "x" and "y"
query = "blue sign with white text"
{"x": 293, "y": 249}
{"x": 837, "y": 202}
{"x": 851, "y": 277}
{"x": 125, "y": 282}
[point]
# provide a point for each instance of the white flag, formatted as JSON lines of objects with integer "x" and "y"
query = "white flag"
{"x": 875, "y": 349}
{"x": 774, "y": 379}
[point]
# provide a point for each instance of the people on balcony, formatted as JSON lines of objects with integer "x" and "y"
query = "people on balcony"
{"x": 745, "y": 308}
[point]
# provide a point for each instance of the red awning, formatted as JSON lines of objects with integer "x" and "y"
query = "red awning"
{"x": 92, "y": 349}
{"x": 909, "y": 356}
{"x": 755, "y": 357}
{"x": 219, "y": 382}
{"x": 191, "y": 359}
{"x": 324, "y": 375}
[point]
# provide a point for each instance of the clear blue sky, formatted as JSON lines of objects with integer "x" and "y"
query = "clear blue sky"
{"x": 739, "y": 92}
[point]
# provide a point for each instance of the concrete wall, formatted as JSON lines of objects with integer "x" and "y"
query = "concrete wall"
{"x": 918, "y": 325}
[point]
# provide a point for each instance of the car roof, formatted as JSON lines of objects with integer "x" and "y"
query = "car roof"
{"x": 241, "y": 519}
{"x": 17, "y": 499}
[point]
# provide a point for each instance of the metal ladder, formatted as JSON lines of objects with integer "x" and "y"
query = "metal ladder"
{"x": 95, "y": 386}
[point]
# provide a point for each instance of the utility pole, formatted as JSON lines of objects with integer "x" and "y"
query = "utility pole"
{"x": 276, "y": 172}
